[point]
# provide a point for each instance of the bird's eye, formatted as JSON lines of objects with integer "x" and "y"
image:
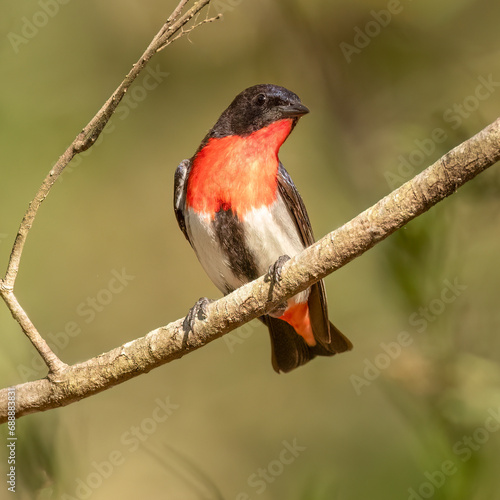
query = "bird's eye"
{"x": 260, "y": 99}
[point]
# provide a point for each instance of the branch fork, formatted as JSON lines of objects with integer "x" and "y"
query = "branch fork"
{"x": 83, "y": 141}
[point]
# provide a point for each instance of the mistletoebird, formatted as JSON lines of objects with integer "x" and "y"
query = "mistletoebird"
{"x": 242, "y": 214}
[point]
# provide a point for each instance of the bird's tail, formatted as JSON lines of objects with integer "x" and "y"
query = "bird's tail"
{"x": 290, "y": 350}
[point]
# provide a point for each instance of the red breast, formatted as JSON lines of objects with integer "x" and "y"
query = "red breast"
{"x": 237, "y": 172}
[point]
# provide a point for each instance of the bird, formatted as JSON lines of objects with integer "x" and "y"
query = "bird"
{"x": 243, "y": 216}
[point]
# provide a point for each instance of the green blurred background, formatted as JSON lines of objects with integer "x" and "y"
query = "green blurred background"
{"x": 383, "y": 107}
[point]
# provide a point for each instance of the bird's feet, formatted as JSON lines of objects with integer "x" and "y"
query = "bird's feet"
{"x": 197, "y": 312}
{"x": 274, "y": 276}
{"x": 274, "y": 273}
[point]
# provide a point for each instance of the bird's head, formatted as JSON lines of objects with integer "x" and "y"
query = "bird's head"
{"x": 257, "y": 107}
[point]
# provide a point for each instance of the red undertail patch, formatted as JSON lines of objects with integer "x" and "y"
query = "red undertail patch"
{"x": 298, "y": 317}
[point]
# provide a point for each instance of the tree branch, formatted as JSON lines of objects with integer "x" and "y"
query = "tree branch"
{"x": 330, "y": 253}
{"x": 83, "y": 141}
{"x": 51, "y": 360}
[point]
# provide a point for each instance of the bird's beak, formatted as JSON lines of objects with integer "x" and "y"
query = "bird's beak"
{"x": 293, "y": 111}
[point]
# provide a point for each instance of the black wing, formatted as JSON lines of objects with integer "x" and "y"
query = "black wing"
{"x": 180, "y": 187}
{"x": 295, "y": 205}
{"x": 326, "y": 334}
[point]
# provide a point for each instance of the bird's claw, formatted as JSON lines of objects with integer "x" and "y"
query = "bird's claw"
{"x": 274, "y": 273}
{"x": 197, "y": 312}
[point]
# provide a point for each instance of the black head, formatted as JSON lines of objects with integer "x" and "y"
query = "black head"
{"x": 257, "y": 107}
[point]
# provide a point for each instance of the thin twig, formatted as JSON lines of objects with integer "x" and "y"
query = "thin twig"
{"x": 83, "y": 141}
{"x": 187, "y": 31}
{"x": 54, "y": 364}
{"x": 333, "y": 251}
{"x": 171, "y": 29}
{"x": 177, "y": 11}
{"x": 87, "y": 137}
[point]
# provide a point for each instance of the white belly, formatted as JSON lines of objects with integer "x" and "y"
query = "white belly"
{"x": 269, "y": 233}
